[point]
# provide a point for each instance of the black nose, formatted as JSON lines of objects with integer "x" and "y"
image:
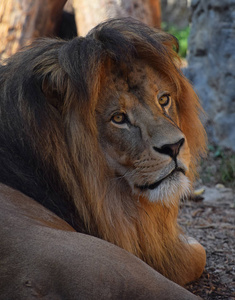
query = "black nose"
{"x": 171, "y": 149}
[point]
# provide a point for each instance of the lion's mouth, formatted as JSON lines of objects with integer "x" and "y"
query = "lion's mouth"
{"x": 154, "y": 185}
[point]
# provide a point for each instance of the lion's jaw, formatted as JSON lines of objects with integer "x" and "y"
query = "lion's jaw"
{"x": 169, "y": 190}
{"x": 133, "y": 148}
{"x": 166, "y": 185}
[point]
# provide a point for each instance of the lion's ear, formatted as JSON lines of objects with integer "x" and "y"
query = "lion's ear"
{"x": 82, "y": 60}
{"x": 51, "y": 94}
{"x": 73, "y": 70}
{"x": 54, "y": 86}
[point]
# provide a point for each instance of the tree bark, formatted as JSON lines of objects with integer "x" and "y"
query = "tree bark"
{"x": 90, "y": 13}
{"x": 21, "y": 21}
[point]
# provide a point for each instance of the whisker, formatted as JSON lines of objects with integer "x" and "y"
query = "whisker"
{"x": 127, "y": 173}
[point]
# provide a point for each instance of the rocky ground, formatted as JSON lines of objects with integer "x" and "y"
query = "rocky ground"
{"x": 210, "y": 218}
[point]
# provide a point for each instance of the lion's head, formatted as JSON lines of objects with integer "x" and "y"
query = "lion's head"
{"x": 139, "y": 131}
{"x": 104, "y": 130}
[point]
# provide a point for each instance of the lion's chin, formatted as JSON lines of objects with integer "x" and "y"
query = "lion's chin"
{"x": 169, "y": 191}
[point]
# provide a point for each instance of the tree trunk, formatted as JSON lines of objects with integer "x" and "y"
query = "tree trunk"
{"x": 90, "y": 13}
{"x": 21, "y": 21}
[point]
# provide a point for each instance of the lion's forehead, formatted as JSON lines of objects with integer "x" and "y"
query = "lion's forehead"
{"x": 141, "y": 81}
{"x": 137, "y": 76}
{"x": 135, "y": 91}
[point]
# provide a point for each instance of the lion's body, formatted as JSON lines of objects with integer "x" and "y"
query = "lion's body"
{"x": 42, "y": 257}
{"x": 63, "y": 144}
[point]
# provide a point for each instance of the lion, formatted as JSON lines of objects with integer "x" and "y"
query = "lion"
{"x": 105, "y": 132}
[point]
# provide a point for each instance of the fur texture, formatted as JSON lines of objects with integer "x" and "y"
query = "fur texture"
{"x": 54, "y": 147}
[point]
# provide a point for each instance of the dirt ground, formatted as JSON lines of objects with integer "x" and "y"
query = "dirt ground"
{"x": 210, "y": 218}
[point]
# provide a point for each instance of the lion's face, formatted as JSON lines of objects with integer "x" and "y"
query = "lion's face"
{"x": 139, "y": 131}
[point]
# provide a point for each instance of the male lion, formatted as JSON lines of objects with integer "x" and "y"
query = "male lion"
{"x": 104, "y": 132}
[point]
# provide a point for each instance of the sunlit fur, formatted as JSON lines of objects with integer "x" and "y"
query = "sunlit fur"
{"x": 49, "y": 138}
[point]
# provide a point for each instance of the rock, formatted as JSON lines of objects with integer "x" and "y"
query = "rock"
{"x": 211, "y": 65}
{"x": 214, "y": 196}
{"x": 175, "y": 13}
{"x": 220, "y": 186}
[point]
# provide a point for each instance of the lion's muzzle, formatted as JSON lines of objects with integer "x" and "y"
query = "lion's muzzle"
{"x": 154, "y": 185}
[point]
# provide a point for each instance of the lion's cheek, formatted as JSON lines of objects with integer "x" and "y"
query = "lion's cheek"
{"x": 117, "y": 161}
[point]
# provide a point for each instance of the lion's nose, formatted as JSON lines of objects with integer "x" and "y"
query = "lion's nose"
{"x": 171, "y": 149}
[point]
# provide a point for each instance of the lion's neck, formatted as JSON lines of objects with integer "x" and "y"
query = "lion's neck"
{"x": 148, "y": 230}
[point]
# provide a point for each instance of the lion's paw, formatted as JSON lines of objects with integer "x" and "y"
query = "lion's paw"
{"x": 197, "y": 258}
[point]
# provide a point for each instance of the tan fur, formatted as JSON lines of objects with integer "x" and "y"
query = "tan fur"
{"x": 91, "y": 156}
{"x": 43, "y": 257}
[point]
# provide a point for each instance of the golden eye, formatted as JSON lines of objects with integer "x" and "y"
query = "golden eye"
{"x": 164, "y": 100}
{"x": 119, "y": 118}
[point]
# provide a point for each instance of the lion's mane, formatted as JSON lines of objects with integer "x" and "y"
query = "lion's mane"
{"x": 49, "y": 146}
